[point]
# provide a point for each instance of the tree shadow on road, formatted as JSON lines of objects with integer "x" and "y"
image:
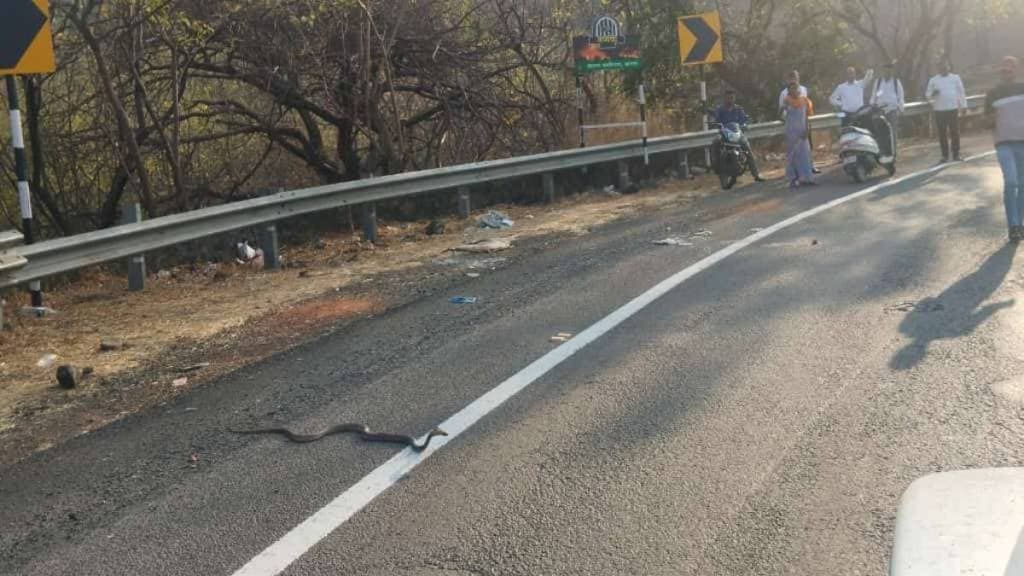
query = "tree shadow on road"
{"x": 957, "y": 312}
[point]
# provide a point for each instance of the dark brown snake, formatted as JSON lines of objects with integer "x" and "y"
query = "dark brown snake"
{"x": 360, "y": 429}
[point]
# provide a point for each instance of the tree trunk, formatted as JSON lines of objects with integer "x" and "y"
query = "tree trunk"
{"x": 124, "y": 126}
{"x": 142, "y": 97}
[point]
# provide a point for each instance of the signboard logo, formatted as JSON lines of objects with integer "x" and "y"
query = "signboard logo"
{"x": 606, "y": 31}
{"x": 606, "y": 49}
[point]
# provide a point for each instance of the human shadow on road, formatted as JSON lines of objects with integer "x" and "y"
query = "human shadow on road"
{"x": 955, "y": 313}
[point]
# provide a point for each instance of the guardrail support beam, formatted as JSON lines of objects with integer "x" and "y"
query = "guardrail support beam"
{"x": 548, "y": 183}
{"x": 368, "y": 216}
{"x": 269, "y": 245}
{"x": 683, "y": 164}
{"x": 465, "y": 202}
{"x": 622, "y": 169}
{"x": 131, "y": 214}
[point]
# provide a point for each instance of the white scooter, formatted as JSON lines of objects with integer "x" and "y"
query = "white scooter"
{"x": 859, "y": 150}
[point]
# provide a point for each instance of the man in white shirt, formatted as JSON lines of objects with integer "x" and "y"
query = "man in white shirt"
{"x": 949, "y": 100}
{"x": 849, "y": 96}
{"x": 887, "y": 93}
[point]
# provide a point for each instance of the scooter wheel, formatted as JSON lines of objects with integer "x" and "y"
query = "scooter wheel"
{"x": 859, "y": 173}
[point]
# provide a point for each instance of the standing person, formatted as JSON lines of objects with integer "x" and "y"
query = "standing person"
{"x": 798, "y": 110}
{"x": 848, "y": 97}
{"x": 888, "y": 94}
{"x": 791, "y": 77}
{"x": 731, "y": 113}
{"x": 949, "y": 100}
{"x": 1006, "y": 103}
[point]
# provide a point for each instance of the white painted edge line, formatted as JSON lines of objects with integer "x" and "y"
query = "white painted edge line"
{"x": 279, "y": 555}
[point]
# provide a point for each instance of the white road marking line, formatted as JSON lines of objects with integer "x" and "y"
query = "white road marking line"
{"x": 279, "y": 555}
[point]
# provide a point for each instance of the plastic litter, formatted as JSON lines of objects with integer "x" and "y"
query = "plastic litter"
{"x": 248, "y": 255}
{"x": 245, "y": 251}
{"x": 496, "y": 220}
{"x": 46, "y": 360}
{"x": 38, "y": 312}
{"x": 485, "y": 246}
{"x": 462, "y": 299}
{"x": 673, "y": 241}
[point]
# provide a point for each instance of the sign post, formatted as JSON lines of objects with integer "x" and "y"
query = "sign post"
{"x": 26, "y": 47}
{"x": 607, "y": 48}
{"x": 700, "y": 43}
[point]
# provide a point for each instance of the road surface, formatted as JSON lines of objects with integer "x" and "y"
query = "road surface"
{"x": 762, "y": 416}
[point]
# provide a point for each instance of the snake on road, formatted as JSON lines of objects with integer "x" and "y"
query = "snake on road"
{"x": 362, "y": 430}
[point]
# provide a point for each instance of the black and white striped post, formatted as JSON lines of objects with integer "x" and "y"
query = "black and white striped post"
{"x": 21, "y": 173}
{"x": 643, "y": 122}
{"x": 579, "y": 112}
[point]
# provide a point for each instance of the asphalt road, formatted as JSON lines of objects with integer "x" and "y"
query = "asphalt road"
{"x": 761, "y": 418}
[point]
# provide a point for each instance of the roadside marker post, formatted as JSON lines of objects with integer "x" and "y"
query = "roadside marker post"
{"x": 26, "y": 47}
{"x": 700, "y": 43}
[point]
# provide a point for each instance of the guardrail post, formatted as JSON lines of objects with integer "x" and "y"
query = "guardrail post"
{"x": 369, "y": 222}
{"x": 268, "y": 243}
{"x": 131, "y": 214}
{"x": 683, "y": 164}
{"x": 465, "y": 203}
{"x": 622, "y": 169}
{"x": 548, "y": 183}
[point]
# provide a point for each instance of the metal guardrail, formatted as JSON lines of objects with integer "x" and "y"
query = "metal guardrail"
{"x": 25, "y": 263}
{"x": 9, "y": 260}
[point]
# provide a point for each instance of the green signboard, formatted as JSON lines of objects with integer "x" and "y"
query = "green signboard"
{"x": 606, "y": 49}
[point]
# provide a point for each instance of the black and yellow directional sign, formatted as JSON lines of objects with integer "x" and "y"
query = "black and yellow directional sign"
{"x": 700, "y": 39}
{"x": 26, "y": 41}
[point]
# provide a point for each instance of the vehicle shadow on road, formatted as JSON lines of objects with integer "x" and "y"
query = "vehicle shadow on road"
{"x": 957, "y": 312}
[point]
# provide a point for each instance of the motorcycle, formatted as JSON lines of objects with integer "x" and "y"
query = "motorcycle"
{"x": 859, "y": 148}
{"x": 731, "y": 161}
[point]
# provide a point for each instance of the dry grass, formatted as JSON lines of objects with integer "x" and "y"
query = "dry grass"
{"x": 203, "y": 309}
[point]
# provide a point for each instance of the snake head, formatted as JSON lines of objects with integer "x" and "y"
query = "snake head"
{"x": 426, "y": 441}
